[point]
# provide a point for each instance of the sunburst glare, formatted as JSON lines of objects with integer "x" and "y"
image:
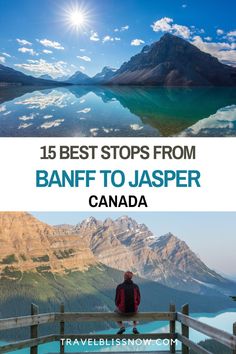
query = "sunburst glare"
{"x": 77, "y": 17}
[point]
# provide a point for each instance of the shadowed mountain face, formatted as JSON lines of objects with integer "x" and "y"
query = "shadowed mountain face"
{"x": 172, "y": 61}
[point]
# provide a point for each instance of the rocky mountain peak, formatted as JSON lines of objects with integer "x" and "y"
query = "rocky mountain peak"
{"x": 89, "y": 222}
{"x": 108, "y": 69}
{"x": 127, "y": 221}
{"x": 27, "y": 244}
{"x": 173, "y": 61}
{"x": 106, "y": 74}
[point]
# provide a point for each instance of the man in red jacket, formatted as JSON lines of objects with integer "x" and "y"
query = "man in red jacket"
{"x": 127, "y": 300}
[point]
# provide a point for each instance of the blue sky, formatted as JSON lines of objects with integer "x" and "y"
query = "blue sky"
{"x": 210, "y": 235}
{"x": 58, "y": 37}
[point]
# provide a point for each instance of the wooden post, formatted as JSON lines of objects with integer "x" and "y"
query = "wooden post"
{"x": 234, "y": 333}
{"x": 172, "y": 329}
{"x": 34, "y": 329}
{"x": 62, "y": 330}
{"x": 185, "y": 329}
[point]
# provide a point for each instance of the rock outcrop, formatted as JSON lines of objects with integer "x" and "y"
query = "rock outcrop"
{"x": 27, "y": 244}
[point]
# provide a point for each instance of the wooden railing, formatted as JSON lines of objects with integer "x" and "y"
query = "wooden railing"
{"x": 35, "y": 319}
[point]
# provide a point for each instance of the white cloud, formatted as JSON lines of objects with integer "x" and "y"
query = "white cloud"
{"x": 224, "y": 118}
{"x": 23, "y": 42}
{"x": 162, "y": 25}
{"x": 7, "y": 113}
{"x": 85, "y": 110}
{"x": 122, "y": 29}
{"x": 125, "y": 28}
{"x": 94, "y": 37}
{"x": 3, "y": 108}
{"x": 84, "y": 58}
{"x": 41, "y": 67}
{"x": 208, "y": 39}
{"x": 231, "y": 33}
{"x": 27, "y": 50}
{"x": 166, "y": 24}
{"x": 24, "y": 125}
{"x": 2, "y": 60}
{"x": 94, "y": 131}
{"x": 82, "y": 68}
{"x": 82, "y": 50}
{"x": 46, "y": 51}
{"x": 25, "y": 118}
{"x": 44, "y": 100}
{"x": 182, "y": 31}
{"x": 136, "y": 127}
{"x": 224, "y": 51}
{"x": 219, "y": 32}
{"x": 52, "y": 124}
{"x": 107, "y": 39}
{"x": 51, "y": 44}
{"x": 110, "y": 39}
{"x": 6, "y": 55}
{"x": 137, "y": 42}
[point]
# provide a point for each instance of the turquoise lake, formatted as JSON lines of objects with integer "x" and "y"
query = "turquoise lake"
{"x": 223, "y": 320}
{"x": 83, "y": 111}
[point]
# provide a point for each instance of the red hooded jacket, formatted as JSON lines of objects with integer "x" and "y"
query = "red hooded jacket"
{"x": 127, "y": 297}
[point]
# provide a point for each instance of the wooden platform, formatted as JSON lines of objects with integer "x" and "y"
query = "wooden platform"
{"x": 61, "y": 318}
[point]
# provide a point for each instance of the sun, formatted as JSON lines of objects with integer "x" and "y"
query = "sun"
{"x": 76, "y": 17}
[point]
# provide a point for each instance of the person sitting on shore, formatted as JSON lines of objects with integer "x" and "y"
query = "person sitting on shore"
{"x": 127, "y": 300}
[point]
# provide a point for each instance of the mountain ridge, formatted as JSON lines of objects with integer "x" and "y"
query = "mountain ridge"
{"x": 173, "y": 61}
{"x": 27, "y": 244}
{"x": 170, "y": 62}
{"x": 165, "y": 259}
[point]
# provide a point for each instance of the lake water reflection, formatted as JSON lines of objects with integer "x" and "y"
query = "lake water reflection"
{"x": 117, "y": 112}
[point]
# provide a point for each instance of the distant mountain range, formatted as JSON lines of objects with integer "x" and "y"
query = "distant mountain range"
{"x": 81, "y": 266}
{"x": 46, "y": 77}
{"x": 11, "y": 77}
{"x": 103, "y": 77}
{"x": 172, "y": 61}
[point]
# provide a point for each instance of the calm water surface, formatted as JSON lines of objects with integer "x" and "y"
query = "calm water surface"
{"x": 222, "y": 321}
{"x": 117, "y": 112}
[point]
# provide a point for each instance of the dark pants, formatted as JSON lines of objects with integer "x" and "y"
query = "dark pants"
{"x": 120, "y": 323}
